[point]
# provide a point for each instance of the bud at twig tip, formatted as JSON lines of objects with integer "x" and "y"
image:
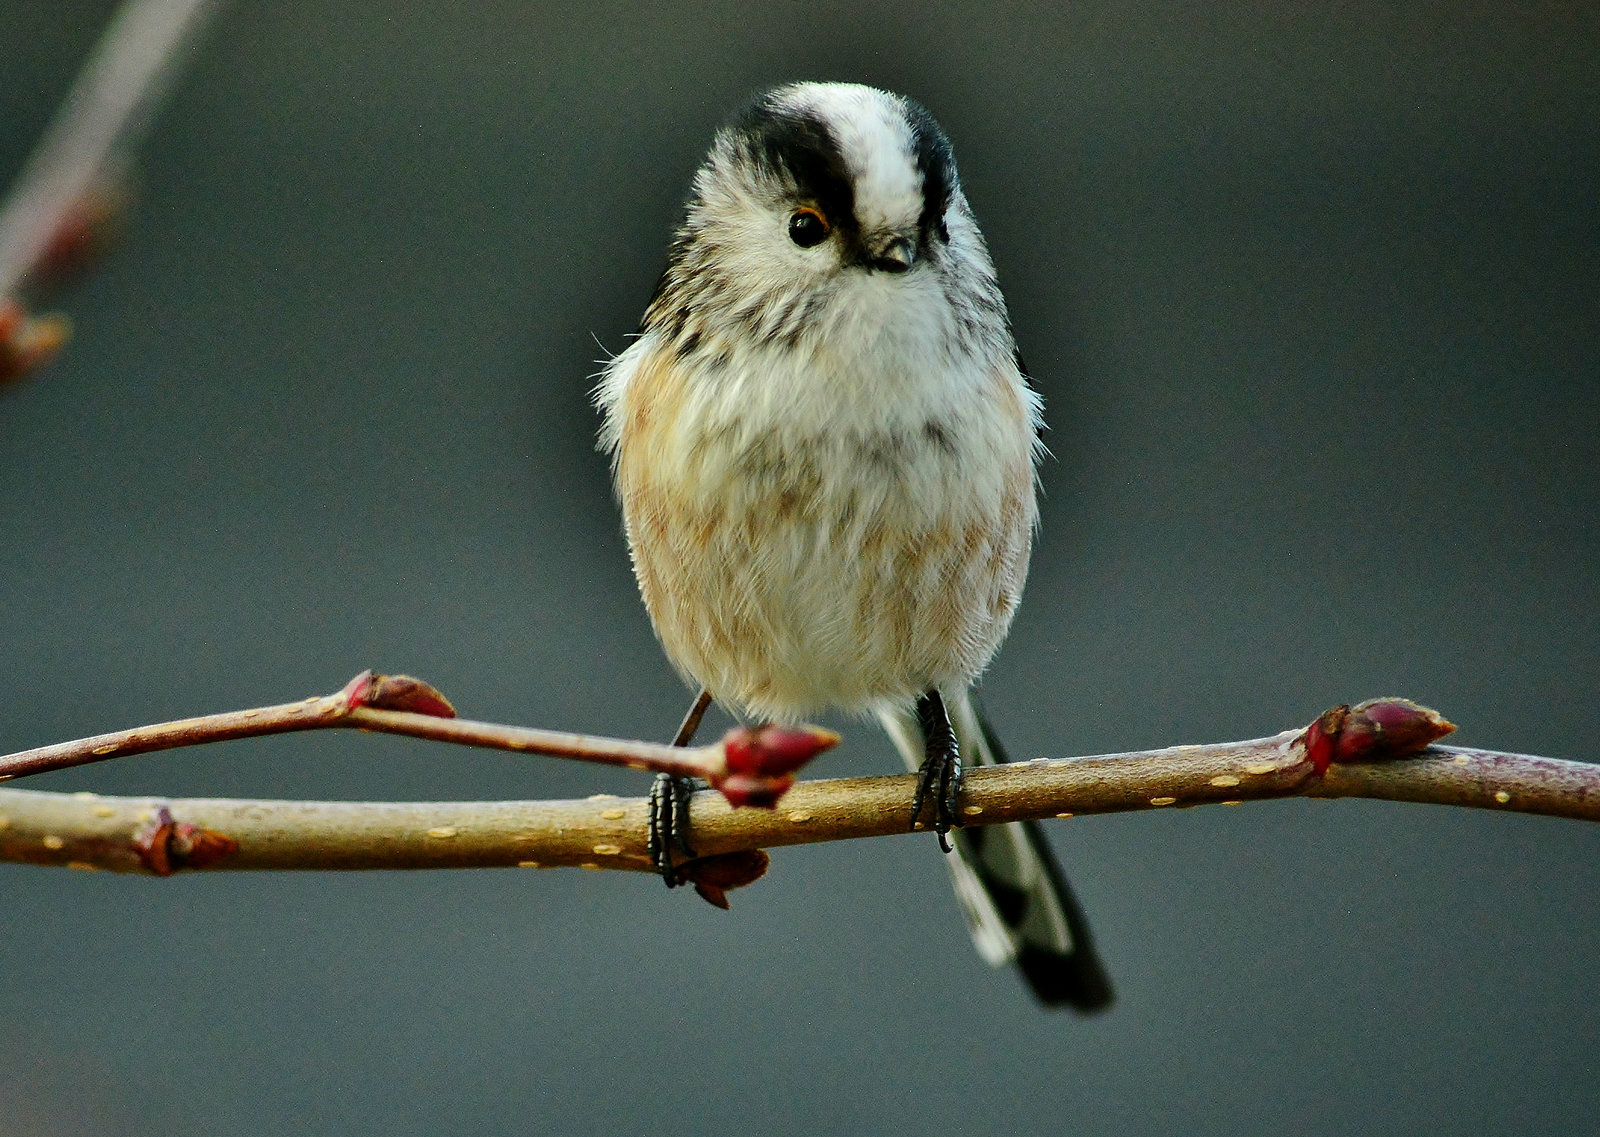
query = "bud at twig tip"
{"x": 774, "y": 749}
{"x": 759, "y": 762}
{"x": 1378, "y": 730}
{"x": 396, "y": 693}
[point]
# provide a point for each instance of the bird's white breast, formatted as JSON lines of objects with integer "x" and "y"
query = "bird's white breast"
{"x": 836, "y": 526}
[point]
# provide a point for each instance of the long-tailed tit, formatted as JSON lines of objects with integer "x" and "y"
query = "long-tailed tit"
{"x": 825, "y": 445}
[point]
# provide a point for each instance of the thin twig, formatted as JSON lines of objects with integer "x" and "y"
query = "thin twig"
{"x": 750, "y": 766}
{"x": 329, "y": 711}
{"x": 99, "y": 122}
{"x": 90, "y": 831}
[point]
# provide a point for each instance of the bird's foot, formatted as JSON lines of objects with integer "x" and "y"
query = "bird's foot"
{"x": 668, "y": 829}
{"x": 940, "y": 775}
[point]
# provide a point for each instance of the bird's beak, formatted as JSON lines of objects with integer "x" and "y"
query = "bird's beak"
{"x": 897, "y": 255}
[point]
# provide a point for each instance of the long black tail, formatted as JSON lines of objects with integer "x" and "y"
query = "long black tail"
{"x": 1019, "y": 908}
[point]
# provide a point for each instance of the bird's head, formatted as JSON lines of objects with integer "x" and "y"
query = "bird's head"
{"x": 822, "y": 207}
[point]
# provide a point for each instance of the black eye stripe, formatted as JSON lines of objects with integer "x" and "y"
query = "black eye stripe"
{"x": 800, "y": 148}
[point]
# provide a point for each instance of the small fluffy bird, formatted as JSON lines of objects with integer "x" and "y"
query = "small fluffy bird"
{"x": 824, "y": 443}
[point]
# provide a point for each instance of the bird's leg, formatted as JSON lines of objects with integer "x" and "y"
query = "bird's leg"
{"x": 941, "y": 772}
{"x": 691, "y": 721}
{"x": 669, "y": 803}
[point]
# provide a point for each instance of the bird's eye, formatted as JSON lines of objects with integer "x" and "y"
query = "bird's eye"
{"x": 807, "y": 227}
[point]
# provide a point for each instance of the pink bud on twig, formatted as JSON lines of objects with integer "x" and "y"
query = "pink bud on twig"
{"x": 713, "y": 877}
{"x": 1378, "y": 730}
{"x": 760, "y": 762}
{"x": 396, "y": 693}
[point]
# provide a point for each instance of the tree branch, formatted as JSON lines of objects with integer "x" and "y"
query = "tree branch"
{"x": 1380, "y": 748}
{"x": 90, "y": 831}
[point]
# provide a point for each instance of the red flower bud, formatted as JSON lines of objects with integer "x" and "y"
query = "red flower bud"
{"x": 1322, "y": 737}
{"x": 758, "y": 790}
{"x": 1378, "y": 730}
{"x": 1382, "y": 729}
{"x": 774, "y": 749}
{"x": 396, "y": 693}
{"x": 714, "y": 876}
{"x": 759, "y": 763}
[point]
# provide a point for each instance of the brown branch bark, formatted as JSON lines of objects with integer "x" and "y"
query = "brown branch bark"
{"x": 91, "y": 831}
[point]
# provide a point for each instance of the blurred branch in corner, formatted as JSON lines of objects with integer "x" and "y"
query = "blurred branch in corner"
{"x": 63, "y": 206}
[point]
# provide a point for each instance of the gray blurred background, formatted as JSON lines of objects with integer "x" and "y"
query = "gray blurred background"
{"x": 1313, "y": 297}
